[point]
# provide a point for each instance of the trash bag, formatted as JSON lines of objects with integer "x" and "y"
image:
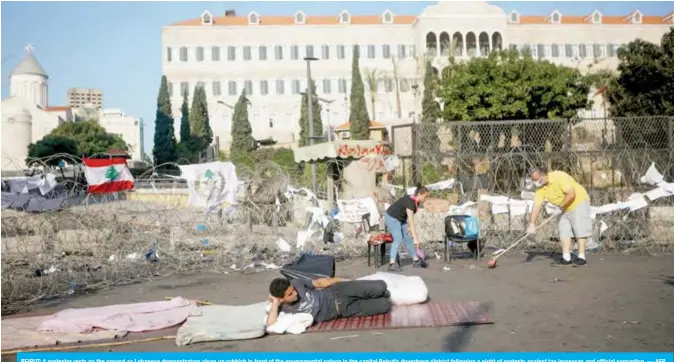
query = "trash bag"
{"x": 310, "y": 267}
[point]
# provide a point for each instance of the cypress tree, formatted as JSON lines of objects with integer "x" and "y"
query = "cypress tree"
{"x": 164, "y": 149}
{"x": 242, "y": 133}
{"x": 184, "y": 119}
{"x": 304, "y": 118}
{"x": 430, "y": 111}
{"x": 358, "y": 117}
{"x": 199, "y": 123}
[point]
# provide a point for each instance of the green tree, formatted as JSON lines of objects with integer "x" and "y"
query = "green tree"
{"x": 508, "y": 85}
{"x": 304, "y": 117}
{"x": 430, "y": 112}
{"x": 185, "y": 118}
{"x": 242, "y": 133}
{"x": 199, "y": 121}
{"x": 644, "y": 87}
{"x": 90, "y": 137}
{"x": 50, "y": 146}
{"x": 164, "y": 149}
{"x": 358, "y": 118}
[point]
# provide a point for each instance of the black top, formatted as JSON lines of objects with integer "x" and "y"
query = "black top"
{"x": 398, "y": 209}
{"x": 320, "y": 303}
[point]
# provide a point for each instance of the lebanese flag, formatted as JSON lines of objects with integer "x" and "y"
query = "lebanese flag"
{"x": 107, "y": 175}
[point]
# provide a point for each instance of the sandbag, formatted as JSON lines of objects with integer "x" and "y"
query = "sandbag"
{"x": 405, "y": 290}
{"x": 310, "y": 267}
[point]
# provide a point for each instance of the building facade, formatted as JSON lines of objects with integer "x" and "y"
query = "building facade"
{"x": 128, "y": 127}
{"x": 263, "y": 55}
{"x": 81, "y": 97}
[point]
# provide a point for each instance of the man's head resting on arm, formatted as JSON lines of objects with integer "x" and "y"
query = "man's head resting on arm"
{"x": 282, "y": 289}
{"x": 539, "y": 175}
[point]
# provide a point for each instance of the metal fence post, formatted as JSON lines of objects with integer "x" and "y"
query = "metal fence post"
{"x": 416, "y": 176}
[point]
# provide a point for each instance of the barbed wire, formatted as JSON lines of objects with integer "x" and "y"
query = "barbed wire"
{"x": 152, "y": 233}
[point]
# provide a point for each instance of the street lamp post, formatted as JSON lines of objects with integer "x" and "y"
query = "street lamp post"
{"x": 311, "y": 120}
{"x": 327, "y": 109}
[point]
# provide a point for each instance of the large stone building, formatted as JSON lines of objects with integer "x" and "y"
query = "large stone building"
{"x": 263, "y": 54}
{"x": 27, "y": 116}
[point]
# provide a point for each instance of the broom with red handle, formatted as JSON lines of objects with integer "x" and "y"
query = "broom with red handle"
{"x": 492, "y": 261}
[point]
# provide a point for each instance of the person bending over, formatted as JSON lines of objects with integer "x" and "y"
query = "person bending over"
{"x": 561, "y": 190}
{"x": 399, "y": 219}
{"x": 328, "y": 298}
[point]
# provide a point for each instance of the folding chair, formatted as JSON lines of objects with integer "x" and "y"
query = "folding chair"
{"x": 462, "y": 229}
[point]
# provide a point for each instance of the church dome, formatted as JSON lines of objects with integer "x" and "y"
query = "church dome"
{"x": 29, "y": 65}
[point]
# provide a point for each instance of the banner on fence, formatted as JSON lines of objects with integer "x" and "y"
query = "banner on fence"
{"x": 211, "y": 185}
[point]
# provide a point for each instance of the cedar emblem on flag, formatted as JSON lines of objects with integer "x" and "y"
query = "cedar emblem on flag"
{"x": 107, "y": 175}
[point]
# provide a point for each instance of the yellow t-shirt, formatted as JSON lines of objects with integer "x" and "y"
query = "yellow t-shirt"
{"x": 554, "y": 191}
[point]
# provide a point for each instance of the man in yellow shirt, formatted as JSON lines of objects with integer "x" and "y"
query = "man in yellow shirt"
{"x": 561, "y": 190}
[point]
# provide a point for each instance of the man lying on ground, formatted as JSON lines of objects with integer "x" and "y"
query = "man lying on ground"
{"x": 328, "y": 298}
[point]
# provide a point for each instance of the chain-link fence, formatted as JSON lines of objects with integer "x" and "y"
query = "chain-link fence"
{"x": 607, "y": 156}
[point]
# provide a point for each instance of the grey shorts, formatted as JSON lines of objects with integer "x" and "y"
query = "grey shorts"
{"x": 576, "y": 223}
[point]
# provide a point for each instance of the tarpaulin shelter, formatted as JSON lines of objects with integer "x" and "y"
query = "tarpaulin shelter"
{"x": 339, "y": 155}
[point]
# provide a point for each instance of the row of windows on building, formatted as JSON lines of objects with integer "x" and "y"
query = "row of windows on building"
{"x": 295, "y": 86}
{"x": 568, "y": 50}
{"x": 292, "y": 52}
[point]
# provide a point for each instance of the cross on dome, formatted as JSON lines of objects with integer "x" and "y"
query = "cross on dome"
{"x": 29, "y": 48}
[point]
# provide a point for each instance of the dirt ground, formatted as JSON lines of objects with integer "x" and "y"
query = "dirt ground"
{"x": 615, "y": 303}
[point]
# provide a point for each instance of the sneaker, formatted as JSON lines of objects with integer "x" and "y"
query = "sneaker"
{"x": 562, "y": 262}
{"x": 579, "y": 262}
{"x": 394, "y": 268}
{"x": 421, "y": 263}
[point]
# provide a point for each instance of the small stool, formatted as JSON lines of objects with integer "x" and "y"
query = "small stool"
{"x": 377, "y": 241}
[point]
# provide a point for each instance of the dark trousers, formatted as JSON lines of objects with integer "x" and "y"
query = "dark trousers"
{"x": 359, "y": 298}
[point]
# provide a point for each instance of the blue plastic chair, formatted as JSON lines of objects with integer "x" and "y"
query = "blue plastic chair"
{"x": 462, "y": 229}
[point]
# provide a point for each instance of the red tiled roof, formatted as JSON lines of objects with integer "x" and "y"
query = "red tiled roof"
{"x": 57, "y": 108}
{"x": 309, "y": 20}
{"x": 587, "y": 19}
{"x": 287, "y": 20}
{"x": 346, "y": 126}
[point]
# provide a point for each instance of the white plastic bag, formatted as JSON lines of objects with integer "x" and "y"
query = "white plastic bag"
{"x": 405, "y": 290}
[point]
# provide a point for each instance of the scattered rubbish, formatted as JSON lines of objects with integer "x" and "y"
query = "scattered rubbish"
{"x": 344, "y": 337}
{"x": 152, "y": 254}
{"x": 133, "y": 256}
{"x": 631, "y": 322}
{"x": 556, "y": 280}
{"x": 337, "y": 237}
{"x": 471, "y": 267}
{"x": 234, "y": 267}
{"x": 72, "y": 287}
{"x": 283, "y": 245}
{"x": 447, "y": 268}
{"x": 270, "y": 266}
{"x": 437, "y": 256}
{"x": 378, "y": 333}
{"x": 201, "y": 227}
{"x": 204, "y": 242}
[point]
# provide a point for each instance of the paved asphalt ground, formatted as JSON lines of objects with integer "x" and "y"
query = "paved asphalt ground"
{"x": 615, "y": 303}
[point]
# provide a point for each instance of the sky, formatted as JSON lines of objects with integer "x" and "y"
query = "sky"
{"x": 116, "y": 46}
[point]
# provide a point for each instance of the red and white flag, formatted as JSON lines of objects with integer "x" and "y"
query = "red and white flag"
{"x": 107, "y": 175}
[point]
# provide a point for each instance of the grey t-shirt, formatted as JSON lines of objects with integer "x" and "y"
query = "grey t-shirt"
{"x": 320, "y": 303}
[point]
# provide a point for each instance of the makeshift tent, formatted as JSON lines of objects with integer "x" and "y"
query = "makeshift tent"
{"x": 310, "y": 267}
